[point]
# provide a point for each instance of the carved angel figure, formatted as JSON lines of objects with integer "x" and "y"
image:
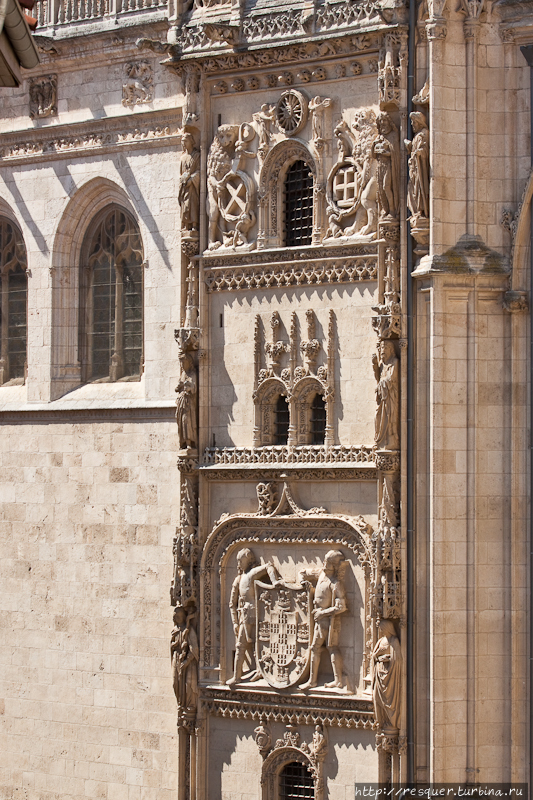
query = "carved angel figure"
{"x": 387, "y": 374}
{"x": 418, "y": 149}
{"x": 186, "y": 416}
{"x": 184, "y": 654}
{"x": 329, "y": 603}
{"x": 189, "y": 185}
{"x": 242, "y": 608}
{"x": 386, "y": 151}
{"x": 386, "y": 677}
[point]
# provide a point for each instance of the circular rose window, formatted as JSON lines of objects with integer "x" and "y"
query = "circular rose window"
{"x": 291, "y": 112}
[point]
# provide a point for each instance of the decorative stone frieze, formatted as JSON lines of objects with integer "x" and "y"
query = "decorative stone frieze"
{"x": 274, "y": 454}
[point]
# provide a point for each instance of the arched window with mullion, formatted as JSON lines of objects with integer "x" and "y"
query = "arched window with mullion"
{"x": 13, "y": 303}
{"x": 112, "y": 293}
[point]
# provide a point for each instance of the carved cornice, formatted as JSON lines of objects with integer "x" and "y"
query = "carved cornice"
{"x": 220, "y": 62}
{"x": 262, "y": 272}
{"x": 282, "y": 455}
{"x": 29, "y": 416}
{"x": 333, "y": 473}
{"x": 295, "y": 709}
{"x": 102, "y": 136}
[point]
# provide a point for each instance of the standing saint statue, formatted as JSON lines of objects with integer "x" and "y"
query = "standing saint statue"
{"x": 418, "y": 149}
{"x": 184, "y": 654}
{"x": 386, "y": 677}
{"x": 186, "y": 416}
{"x": 189, "y": 186}
{"x": 386, "y": 151}
{"x": 387, "y": 373}
{"x": 329, "y": 603}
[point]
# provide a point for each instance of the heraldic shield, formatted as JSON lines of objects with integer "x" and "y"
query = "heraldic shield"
{"x": 284, "y": 632}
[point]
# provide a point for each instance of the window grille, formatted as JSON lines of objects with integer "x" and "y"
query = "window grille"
{"x": 298, "y": 205}
{"x": 13, "y": 303}
{"x": 112, "y": 288}
{"x": 296, "y": 781}
{"x": 318, "y": 420}
{"x": 281, "y": 421}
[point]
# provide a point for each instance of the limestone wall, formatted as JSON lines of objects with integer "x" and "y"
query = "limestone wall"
{"x": 89, "y": 510}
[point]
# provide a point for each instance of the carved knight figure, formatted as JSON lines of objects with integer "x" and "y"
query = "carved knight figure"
{"x": 386, "y": 151}
{"x": 184, "y": 654}
{"x": 386, "y": 678}
{"x": 186, "y": 415}
{"x": 418, "y": 149}
{"x": 329, "y": 603}
{"x": 242, "y": 608}
{"x": 387, "y": 373}
{"x": 189, "y": 186}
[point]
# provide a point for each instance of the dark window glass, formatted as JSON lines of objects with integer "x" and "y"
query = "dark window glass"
{"x": 113, "y": 298}
{"x": 298, "y": 205}
{"x": 281, "y": 421}
{"x": 13, "y": 303}
{"x": 296, "y": 781}
{"x": 318, "y": 420}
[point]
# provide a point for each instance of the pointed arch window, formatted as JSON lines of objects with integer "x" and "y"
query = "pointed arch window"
{"x": 318, "y": 420}
{"x": 112, "y": 298}
{"x": 298, "y": 205}
{"x": 13, "y": 303}
{"x": 281, "y": 421}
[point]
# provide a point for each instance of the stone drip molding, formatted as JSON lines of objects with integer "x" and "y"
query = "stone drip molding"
{"x": 294, "y": 271}
{"x": 104, "y": 136}
{"x": 340, "y": 711}
{"x": 281, "y": 455}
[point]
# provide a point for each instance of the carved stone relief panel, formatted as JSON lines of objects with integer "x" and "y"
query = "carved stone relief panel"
{"x": 43, "y": 96}
{"x": 138, "y": 87}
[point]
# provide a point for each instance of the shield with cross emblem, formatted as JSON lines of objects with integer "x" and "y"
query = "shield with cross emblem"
{"x": 343, "y": 188}
{"x": 284, "y": 632}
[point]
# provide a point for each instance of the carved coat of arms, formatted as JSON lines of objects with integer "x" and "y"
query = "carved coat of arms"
{"x": 284, "y": 632}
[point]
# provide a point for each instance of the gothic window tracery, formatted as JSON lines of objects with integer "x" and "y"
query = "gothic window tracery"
{"x": 13, "y": 303}
{"x": 112, "y": 298}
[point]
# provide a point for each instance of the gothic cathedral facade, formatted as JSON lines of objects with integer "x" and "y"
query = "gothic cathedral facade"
{"x": 265, "y": 321}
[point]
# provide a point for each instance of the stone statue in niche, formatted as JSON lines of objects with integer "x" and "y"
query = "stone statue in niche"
{"x": 418, "y": 187}
{"x": 230, "y": 190}
{"x": 189, "y": 187}
{"x": 329, "y": 603}
{"x": 186, "y": 402}
{"x": 184, "y": 654}
{"x": 243, "y": 611}
{"x": 386, "y": 151}
{"x": 387, "y": 373}
{"x": 386, "y": 678}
